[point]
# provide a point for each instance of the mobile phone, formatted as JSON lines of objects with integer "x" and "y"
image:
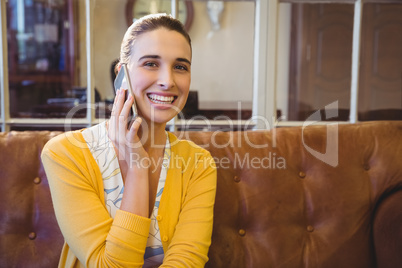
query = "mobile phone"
{"x": 122, "y": 81}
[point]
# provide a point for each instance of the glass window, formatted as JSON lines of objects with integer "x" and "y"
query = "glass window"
{"x": 314, "y": 60}
{"x": 44, "y": 44}
{"x": 380, "y": 81}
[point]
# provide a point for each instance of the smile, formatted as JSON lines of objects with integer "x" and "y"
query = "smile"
{"x": 161, "y": 99}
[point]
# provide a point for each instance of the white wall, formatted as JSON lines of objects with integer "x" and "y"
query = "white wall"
{"x": 223, "y": 64}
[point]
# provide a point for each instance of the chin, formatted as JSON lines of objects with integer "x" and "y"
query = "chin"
{"x": 161, "y": 117}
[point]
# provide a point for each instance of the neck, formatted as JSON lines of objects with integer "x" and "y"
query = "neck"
{"x": 152, "y": 135}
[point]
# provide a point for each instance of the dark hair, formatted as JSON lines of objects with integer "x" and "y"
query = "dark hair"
{"x": 146, "y": 24}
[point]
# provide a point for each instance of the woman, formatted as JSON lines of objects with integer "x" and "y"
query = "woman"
{"x": 166, "y": 210}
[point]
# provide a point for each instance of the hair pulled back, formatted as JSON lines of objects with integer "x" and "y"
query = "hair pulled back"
{"x": 147, "y": 24}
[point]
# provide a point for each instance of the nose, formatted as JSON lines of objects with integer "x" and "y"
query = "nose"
{"x": 166, "y": 79}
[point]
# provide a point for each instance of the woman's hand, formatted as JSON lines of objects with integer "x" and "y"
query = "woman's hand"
{"x": 126, "y": 142}
{"x": 133, "y": 159}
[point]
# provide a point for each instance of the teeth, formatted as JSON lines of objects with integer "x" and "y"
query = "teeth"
{"x": 161, "y": 99}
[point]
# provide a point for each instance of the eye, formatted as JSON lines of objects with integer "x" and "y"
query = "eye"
{"x": 150, "y": 64}
{"x": 181, "y": 67}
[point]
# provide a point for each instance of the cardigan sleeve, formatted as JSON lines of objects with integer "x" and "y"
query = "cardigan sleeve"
{"x": 192, "y": 236}
{"x": 92, "y": 235}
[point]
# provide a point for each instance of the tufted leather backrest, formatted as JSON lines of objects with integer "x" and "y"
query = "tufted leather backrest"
{"x": 29, "y": 234}
{"x": 285, "y": 198}
{"x": 283, "y": 202}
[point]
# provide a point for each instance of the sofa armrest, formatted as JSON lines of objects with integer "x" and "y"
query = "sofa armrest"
{"x": 387, "y": 231}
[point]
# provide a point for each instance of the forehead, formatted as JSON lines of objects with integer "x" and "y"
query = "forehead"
{"x": 162, "y": 42}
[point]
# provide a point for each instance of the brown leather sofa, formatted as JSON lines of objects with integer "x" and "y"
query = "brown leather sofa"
{"x": 285, "y": 198}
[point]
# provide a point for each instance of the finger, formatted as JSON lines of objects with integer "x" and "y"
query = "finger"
{"x": 119, "y": 101}
{"x": 114, "y": 102}
{"x": 113, "y": 123}
{"x": 124, "y": 113}
{"x": 123, "y": 139}
{"x": 133, "y": 132}
{"x": 128, "y": 104}
{"x": 118, "y": 105}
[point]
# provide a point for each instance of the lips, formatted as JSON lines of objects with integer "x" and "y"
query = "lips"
{"x": 160, "y": 99}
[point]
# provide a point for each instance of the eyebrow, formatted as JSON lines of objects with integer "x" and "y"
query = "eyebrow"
{"x": 158, "y": 57}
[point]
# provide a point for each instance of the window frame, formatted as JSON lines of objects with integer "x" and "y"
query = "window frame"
{"x": 355, "y": 59}
{"x": 356, "y": 46}
{"x": 4, "y": 98}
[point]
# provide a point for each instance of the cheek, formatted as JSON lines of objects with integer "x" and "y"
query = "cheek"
{"x": 184, "y": 87}
{"x": 184, "y": 84}
{"x": 140, "y": 81}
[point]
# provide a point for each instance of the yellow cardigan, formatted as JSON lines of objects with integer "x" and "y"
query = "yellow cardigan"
{"x": 94, "y": 239}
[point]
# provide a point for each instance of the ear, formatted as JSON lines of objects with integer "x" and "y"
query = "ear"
{"x": 117, "y": 68}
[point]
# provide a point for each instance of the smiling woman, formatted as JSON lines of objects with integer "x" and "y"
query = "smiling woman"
{"x": 159, "y": 63}
{"x": 127, "y": 204}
